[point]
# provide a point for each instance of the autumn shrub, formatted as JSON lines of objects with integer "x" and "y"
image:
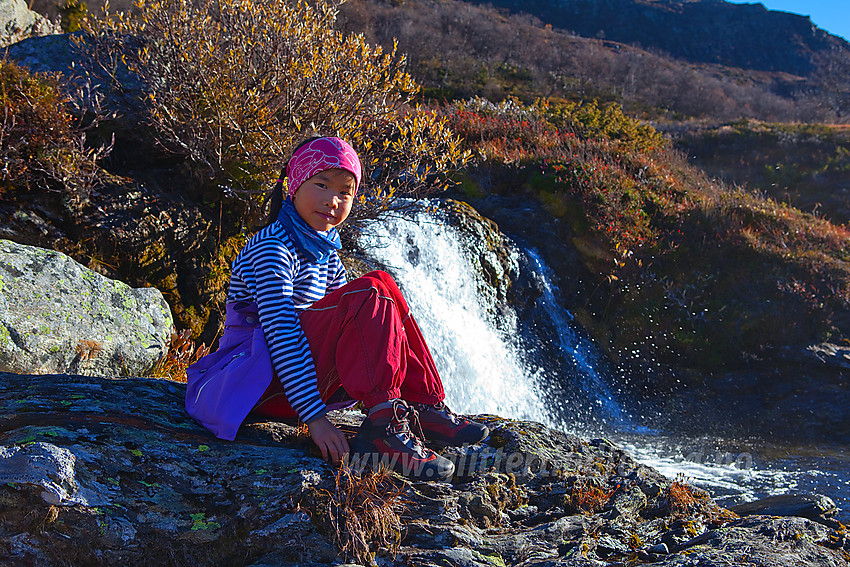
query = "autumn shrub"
{"x": 569, "y": 152}
{"x": 608, "y": 122}
{"x": 233, "y": 85}
{"x": 690, "y": 272}
{"x": 72, "y": 13}
{"x": 42, "y": 140}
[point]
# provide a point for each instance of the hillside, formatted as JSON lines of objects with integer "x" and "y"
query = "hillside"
{"x": 747, "y": 36}
{"x": 804, "y": 164}
{"x": 786, "y": 78}
{"x": 459, "y": 49}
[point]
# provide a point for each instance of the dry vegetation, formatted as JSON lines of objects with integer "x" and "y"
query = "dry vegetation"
{"x": 231, "y": 85}
{"x": 43, "y": 135}
{"x": 686, "y": 502}
{"x": 459, "y": 49}
{"x": 805, "y": 165}
{"x": 364, "y": 513}
{"x": 587, "y": 497}
{"x": 695, "y": 272}
{"x": 181, "y": 353}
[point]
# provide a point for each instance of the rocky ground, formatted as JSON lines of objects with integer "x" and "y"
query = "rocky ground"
{"x": 98, "y": 471}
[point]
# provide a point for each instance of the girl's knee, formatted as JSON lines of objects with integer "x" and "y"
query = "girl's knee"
{"x": 386, "y": 288}
{"x": 380, "y": 280}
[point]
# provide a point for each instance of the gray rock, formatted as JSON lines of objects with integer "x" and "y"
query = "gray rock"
{"x": 758, "y": 540}
{"x": 466, "y": 557}
{"x": 683, "y": 535}
{"x": 467, "y": 535}
{"x": 98, "y": 471}
{"x": 658, "y": 549}
{"x": 18, "y": 22}
{"x": 44, "y": 465}
{"x": 57, "y": 316}
{"x": 491, "y": 251}
{"x": 629, "y": 502}
{"x": 131, "y": 479}
{"x": 812, "y": 506}
{"x": 46, "y": 54}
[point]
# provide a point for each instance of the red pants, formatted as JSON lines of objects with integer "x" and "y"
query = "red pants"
{"x": 363, "y": 338}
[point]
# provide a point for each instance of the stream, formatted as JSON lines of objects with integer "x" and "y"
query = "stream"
{"x": 548, "y": 370}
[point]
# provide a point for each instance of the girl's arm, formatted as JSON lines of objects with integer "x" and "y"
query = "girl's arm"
{"x": 268, "y": 269}
{"x": 339, "y": 279}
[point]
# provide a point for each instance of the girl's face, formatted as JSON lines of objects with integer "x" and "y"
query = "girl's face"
{"x": 325, "y": 199}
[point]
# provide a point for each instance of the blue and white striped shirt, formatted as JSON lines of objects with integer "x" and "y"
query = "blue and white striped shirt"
{"x": 273, "y": 273}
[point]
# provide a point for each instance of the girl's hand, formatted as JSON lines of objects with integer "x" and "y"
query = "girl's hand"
{"x": 330, "y": 440}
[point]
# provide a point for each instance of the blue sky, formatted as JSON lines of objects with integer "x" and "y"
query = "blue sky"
{"x": 830, "y": 15}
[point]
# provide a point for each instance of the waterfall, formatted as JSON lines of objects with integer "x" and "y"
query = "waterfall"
{"x": 578, "y": 349}
{"x": 487, "y": 363}
{"x": 490, "y": 365}
{"x": 481, "y": 371}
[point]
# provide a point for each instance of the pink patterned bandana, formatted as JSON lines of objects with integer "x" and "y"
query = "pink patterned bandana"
{"x": 317, "y": 156}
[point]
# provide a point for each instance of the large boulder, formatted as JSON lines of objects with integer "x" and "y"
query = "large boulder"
{"x": 58, "y": 316}
{"x": 18, "y": 22}
{"x": 47, "y": 54}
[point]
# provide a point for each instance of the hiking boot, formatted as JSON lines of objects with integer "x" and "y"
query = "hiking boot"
{"x": 385, "y": 439}
{"x": 442, "y": 426}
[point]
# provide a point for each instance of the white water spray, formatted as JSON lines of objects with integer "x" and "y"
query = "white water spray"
{"x": 580, "y": 352}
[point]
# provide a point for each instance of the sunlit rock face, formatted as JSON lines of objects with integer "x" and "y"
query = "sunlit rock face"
{"x": 18, "y": 22}
{"x": 58, "y": 316}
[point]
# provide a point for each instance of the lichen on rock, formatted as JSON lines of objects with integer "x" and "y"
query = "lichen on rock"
{"x": 58, "y": 316}
{"x": 18, "y": 22}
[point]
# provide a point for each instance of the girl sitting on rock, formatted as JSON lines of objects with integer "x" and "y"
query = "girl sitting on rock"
{"x": 299, "y": 340}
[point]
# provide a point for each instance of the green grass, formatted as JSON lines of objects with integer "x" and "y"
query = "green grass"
{"x": 806, "y": 165}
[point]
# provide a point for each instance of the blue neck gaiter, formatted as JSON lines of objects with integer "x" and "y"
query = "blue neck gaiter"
{"x": 316, "y": 245}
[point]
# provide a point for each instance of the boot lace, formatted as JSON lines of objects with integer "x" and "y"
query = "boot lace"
{"x": 400, "y": 425}
{"x": 441, "y": 408}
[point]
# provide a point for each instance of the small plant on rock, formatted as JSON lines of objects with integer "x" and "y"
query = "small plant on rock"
{"x": 586, "y": 496}
{"x": 182, "y": 352}
{"x": 364, "y": 512}
{"x": 685, "y": 501}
